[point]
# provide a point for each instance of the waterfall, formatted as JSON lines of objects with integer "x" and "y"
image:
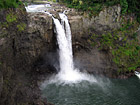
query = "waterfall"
{"x": 65, "y": 47}
{"x": 65, "y": 53}
{"x": 67, "y": 74}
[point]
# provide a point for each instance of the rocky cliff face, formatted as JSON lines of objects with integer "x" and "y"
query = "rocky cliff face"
{"x": 90, "y": 58}
{"x": 106, "y": 20}
{"x": 87, "y": 58}
{"x": 24, "y": 41}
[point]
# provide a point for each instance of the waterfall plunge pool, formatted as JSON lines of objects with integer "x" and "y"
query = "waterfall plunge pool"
{"x": 104, "y": 92}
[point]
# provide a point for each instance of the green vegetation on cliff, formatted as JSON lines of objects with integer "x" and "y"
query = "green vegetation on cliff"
{"x": 12, "y": 20}
{"x": 95, "y": 6}
{"x": 123, "y": 45}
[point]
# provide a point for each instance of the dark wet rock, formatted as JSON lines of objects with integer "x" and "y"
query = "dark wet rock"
{"x": 19, "y": 52}
{"x": 138, "y": 69}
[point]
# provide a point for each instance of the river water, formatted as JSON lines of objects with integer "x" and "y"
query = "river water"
{"x": 104, "y": 92}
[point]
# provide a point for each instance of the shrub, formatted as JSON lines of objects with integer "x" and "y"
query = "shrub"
{"x": 21, "y": 27}
{"x": 11, "y": 18}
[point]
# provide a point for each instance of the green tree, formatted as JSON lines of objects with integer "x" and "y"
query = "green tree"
{"x": 10, "y": 3}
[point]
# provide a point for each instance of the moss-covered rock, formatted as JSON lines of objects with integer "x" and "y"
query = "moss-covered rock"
{"x": 122, "y": 45}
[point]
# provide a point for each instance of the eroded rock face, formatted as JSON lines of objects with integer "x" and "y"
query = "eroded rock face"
{"x": 91, "y": 59}
{"x": 40, "y": 33}
{"x": 107, "y": 20}
{"x": 21, "y": 51}
{"x": 38, "y": 38}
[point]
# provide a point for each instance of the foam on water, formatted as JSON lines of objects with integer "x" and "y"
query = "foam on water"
{"x": 137, "y": 74}
{"x": 72, "y": 77}
{"x": 37, "y": 8}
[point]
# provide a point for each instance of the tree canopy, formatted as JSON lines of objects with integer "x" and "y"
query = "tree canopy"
{"x": 9, "y": 3}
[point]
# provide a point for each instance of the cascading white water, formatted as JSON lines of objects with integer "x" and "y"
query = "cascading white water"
{"x": 66, "y": 27}
{"x": 68, "y": 48}
{"x": 67, "y": 74}
{"x": 37, "y": 8}
{"x": 66, "y": 61}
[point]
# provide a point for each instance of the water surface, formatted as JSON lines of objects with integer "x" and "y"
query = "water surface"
{"x": 104, "y": 92}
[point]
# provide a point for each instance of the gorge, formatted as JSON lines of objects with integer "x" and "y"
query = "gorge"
{"x": 36, "y": 49}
